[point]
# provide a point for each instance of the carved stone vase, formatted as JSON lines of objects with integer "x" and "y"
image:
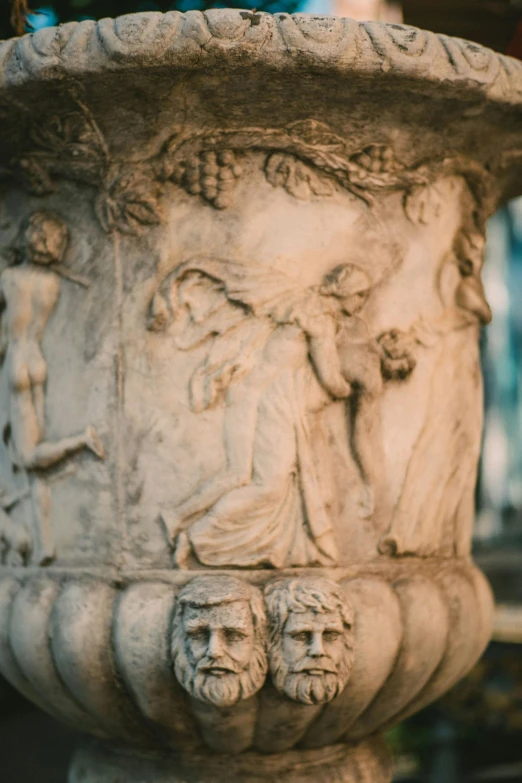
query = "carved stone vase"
{"x": 241, "y": 399}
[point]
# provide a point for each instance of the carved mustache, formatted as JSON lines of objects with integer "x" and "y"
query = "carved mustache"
{"x": 321, "y": 664}
{"x": 208, "y": 665}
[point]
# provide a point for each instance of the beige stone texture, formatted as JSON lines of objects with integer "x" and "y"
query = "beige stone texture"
{"x": 241, "y": 401}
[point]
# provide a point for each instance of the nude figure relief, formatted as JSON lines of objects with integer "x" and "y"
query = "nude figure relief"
{"x": 278, "y": 353}
{"x": 29, "y": 291}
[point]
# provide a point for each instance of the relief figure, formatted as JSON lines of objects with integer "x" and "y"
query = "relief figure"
{"x": 280, "y": 354}
{"x": 435, "y": 511}
{"x": 29, "y": 292}
{"x": 218, "y": 642}
{"x": 310, "y": 638}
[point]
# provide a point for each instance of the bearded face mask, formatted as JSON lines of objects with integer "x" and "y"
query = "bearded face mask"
{"x": 218, "y": 656}
{"x": 312, "y": 660}
{"x": 311, "y": 638}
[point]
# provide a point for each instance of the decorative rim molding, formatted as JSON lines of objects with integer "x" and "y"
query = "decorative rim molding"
{"x": 281, "y": 41}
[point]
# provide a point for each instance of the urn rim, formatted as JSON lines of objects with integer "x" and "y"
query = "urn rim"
{"x": 329, "y": 43}
{"x": 451, "y": 97}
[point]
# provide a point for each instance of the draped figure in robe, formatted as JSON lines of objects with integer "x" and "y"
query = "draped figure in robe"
{"x": 280, "y": 354}
{"x": 435, "y": 511}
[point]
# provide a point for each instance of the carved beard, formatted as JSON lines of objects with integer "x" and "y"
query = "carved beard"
{"x": 221, "y": 691}
{"x": 303, "y": 687}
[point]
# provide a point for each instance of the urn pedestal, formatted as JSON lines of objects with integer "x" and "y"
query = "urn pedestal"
{"x": 241, "y": 396}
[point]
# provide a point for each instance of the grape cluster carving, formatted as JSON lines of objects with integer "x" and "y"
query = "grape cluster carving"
{"x": 211, "y": 175}
{"x": 375, "y": 159}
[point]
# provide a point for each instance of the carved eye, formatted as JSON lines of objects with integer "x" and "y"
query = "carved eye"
{"x": 198, "y": 635}
{"x": 331, "y": 636}
{"x": 300, "y": 636}
{"x": 234, "y": 636}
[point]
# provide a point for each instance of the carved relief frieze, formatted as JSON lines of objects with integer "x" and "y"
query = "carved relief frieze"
{"x": 266, "y": 508}
{"x": 306, "y": 157}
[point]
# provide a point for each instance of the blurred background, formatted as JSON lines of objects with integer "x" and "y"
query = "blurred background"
{"x": 475, "y": 732}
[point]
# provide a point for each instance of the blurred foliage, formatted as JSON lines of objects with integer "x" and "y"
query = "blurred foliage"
{"x": 25, "y": 16}
{"x": 479, "y": 721}
{"x": 490, "y": 696}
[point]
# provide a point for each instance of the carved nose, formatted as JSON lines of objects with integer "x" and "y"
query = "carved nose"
{"x": 316, "y": 647}
{"x": 215, "y": 645}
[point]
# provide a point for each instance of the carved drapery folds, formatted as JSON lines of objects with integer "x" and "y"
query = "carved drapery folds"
{"x": 241, "y": 398}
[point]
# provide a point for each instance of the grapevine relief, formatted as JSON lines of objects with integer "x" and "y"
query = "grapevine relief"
{"x": 306, "y": 157}
{"x": 278, "y": 354}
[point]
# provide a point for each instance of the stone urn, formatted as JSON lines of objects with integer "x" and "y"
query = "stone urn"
{"x": 241, "y": 399}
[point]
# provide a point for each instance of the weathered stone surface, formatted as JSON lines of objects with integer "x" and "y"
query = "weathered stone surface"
{"x": 241, "y": 398}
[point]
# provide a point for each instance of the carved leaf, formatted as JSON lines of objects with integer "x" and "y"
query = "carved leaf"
{"x": 33, "y": 172}
{"x": 141, "y": 210}
{"x": 300, "y": 180}
{"x": 63, "y": 131}
{"x": 131, "y": 203}
{"x": 320, "y": 185}
{"x": 422, "y": 204}
{"x": 54, "y": 134}
{"x": 168, "y": 166}
{"x": 73, "y": 146}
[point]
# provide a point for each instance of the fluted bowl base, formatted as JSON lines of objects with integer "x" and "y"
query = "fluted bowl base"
{"x": 366, "y": 762}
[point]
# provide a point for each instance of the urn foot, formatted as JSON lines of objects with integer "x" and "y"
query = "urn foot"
{"x": 365, "y": 762}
